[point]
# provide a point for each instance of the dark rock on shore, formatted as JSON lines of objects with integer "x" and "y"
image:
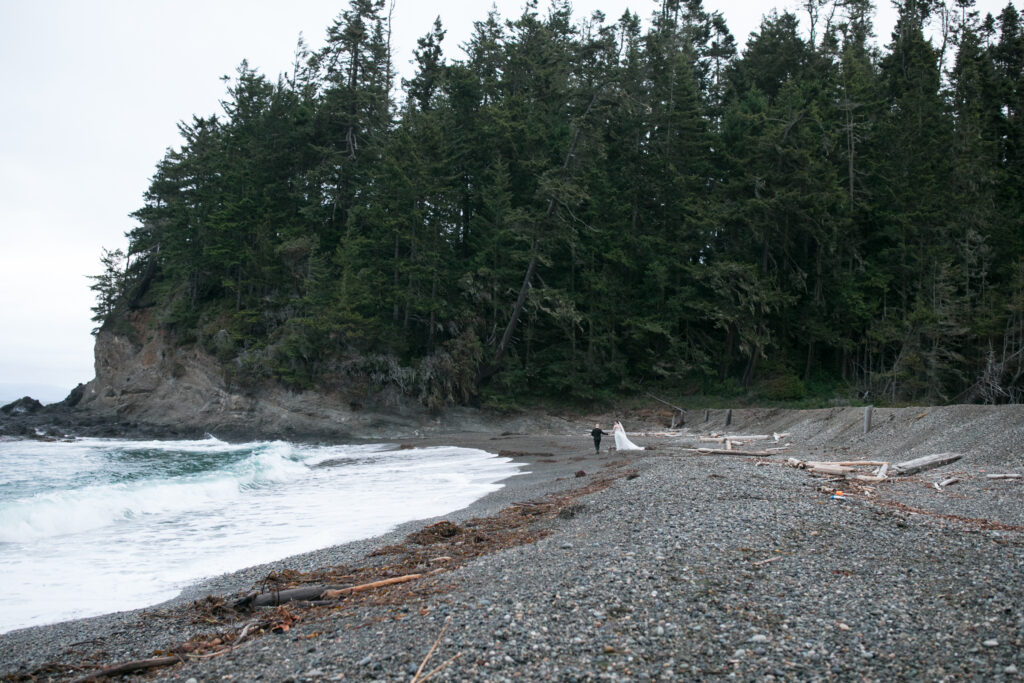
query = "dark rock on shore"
{"x": 23, "y": 406}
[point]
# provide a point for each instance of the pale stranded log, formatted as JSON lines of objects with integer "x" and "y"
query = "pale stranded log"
{"x": 832, "y": 468}
{"x": 927, "y": 462}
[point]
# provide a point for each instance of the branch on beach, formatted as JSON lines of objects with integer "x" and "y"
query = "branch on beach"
{"x": 131, "y": 667}
{"x": 169, "y": 660}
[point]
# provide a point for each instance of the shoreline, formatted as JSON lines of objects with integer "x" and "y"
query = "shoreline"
{"x": 697, "y": 566}
{"x": 527, "y": 483}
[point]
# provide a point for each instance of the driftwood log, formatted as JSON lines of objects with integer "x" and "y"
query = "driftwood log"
{"x": 315, "y": 593}
{"x": 927, "y": 462}
{"x": 130, "y": 667}
{"x": 831, "y": 468}
{"x": 728, "y": 451}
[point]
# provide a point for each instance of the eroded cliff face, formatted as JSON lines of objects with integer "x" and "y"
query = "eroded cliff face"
{"x": 149, "y": 381}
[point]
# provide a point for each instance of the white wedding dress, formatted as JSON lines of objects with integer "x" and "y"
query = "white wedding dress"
{"x": 622, "y": 442}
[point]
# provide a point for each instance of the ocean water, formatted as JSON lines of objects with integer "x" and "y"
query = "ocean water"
{"x": 102, "y": 525}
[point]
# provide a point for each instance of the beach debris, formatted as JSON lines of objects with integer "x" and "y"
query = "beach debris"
{"x": 733, "y": 451}
{"x": 436, "y": 532}
{"x": 731, "y": 441}
{"x": 131, "y": 667}
{"x": 334, "y": 594}
{"x": 513, "y": 526}
{"x": 198, "y": 649}
{"x": 923, "y": 463}
{"x": 580, "y": 473}
{"x": 420, "y": 677}
{"x": 830, "y": 468}
{"x": 843, "y": 468}
{"x": 1003, "y": 476}
{"x": 948, "y": 482}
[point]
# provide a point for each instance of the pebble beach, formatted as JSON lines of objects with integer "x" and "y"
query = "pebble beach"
{"x": 661, "y": 564}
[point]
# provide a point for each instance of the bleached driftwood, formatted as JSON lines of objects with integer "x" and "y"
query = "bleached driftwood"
{"x": 927, "y": 462}
{"x": 793, "y": 462}
{"x": 948, "y": 482}
{"x": 725, "y": 451}
{"x": 883, "y": 471}
{"x": 1004, "y": 476}
{"x": 863, "y": 463}
{"x": 720, "y": 438}
{"x": 831, "y": 468}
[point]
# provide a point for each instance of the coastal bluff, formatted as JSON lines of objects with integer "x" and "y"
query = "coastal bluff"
{"x": 147, "y": 382}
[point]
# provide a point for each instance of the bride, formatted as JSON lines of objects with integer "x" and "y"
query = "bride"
{"x": 622, "y": 442}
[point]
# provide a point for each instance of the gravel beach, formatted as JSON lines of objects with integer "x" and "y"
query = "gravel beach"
{"x": 672, "y": 565}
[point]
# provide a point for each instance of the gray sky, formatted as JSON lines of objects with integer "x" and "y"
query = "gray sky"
{"x": 92, "y": 92}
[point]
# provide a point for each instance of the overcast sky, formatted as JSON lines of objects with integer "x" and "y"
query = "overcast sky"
{"x": 91, "y": 93}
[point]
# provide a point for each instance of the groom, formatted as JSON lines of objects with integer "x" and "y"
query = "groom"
{"x": 596, "y": 433}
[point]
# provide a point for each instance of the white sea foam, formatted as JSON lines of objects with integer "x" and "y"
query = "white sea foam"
{"x": 74, "y": 510}
{"x": 151, "y": 517}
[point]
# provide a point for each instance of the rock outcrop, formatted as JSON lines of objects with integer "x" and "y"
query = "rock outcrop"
{"x": 146, "y": 384}
{"x": 152, "y": 384}
{"x": 23, "y": 406}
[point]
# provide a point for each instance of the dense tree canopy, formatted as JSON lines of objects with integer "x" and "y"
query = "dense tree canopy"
{"x": 576, "y": 210}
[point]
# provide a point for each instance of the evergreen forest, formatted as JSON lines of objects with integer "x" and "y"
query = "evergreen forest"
{"x": 579, "y": 209}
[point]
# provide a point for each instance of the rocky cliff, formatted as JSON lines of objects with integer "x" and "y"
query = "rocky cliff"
{"x": 147, "y": 381}
{"x": 148, "y": 384}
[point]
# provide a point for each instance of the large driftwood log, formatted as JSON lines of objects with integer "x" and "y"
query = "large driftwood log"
{"x": 130, "y": 667}
{"x": 725, "y": 451}
{"x": 314, "y": 593}
{"x": 275, "y": 598}
{"x": 735, "y": 438}
{"x": 831, "y": 468}
{"x": 927, "y": 462}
